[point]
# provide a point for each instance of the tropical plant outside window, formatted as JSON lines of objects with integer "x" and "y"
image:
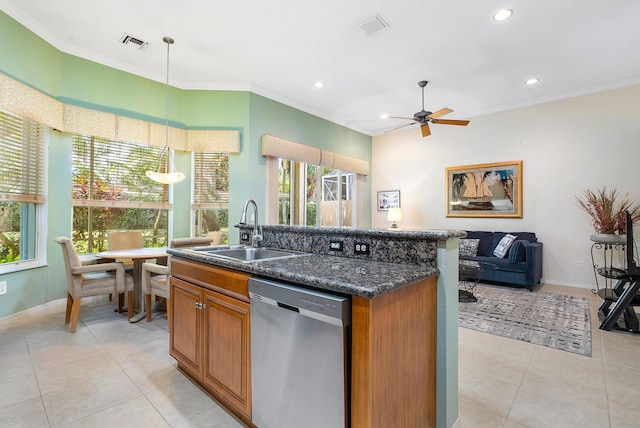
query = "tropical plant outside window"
{"x": 211, "y": 195}
{"x": 309, "y": 195}
{"x": 23, "y": 155}
{"x": 111, "y": 192}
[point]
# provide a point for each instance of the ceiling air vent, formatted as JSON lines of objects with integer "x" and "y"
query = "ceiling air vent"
{"x": 373, "y": 25}
{"x": 128, "y": 39}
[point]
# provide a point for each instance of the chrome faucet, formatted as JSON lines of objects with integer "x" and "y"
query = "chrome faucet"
{"x": 256, "y": 237}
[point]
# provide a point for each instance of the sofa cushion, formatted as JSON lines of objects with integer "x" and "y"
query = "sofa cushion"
{"x": 517, "y": 252}
{"x": 485, "y": 247}
{"x": 503, "y": 246}
{"x": 503, "y": 264}
{"x": 469, "y": 247}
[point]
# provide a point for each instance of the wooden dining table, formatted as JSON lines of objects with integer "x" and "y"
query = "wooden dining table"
{"x": 139, "y": 256}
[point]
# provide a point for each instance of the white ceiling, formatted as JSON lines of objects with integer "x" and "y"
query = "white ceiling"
{"x": 279, "y": 48}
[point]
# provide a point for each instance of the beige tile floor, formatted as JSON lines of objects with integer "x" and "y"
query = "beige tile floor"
{"x": 112, "y": 373}
{"x": 512, "y": 384}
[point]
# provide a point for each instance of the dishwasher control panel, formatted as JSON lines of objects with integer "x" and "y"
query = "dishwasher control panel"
{"x": 310, "y": 303}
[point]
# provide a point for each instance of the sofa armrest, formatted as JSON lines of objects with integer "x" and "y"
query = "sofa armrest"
{"x": 533, "y": 262}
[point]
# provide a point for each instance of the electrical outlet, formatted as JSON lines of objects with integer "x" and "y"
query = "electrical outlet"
{"x": 580, "y": 265}
{"x": 335, "y": 245}
{"x": 3, "y": 287}
{"x": 361, "y": 248}
{"x": 244, "y": 236}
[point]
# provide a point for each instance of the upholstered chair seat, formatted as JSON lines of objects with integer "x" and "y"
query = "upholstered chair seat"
{"x": 92, "y": 279}
{"x": 155, "y": 280}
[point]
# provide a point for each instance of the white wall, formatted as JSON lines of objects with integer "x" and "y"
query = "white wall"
{"x": 567, "y": 146}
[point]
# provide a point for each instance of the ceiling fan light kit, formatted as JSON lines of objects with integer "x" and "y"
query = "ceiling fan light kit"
{"x": 423, "y": 117}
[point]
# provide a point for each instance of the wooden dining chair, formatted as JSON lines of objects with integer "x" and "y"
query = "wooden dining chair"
{"x": 125, "y": 240}
{"x": 155, "y": 280}
{"x": 92, "y": 279}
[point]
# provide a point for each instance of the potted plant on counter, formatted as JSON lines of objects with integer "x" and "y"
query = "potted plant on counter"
{"x": 608, "y": 214}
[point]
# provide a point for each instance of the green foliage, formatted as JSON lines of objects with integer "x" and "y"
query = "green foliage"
{"x": 9, "y": 232}
{"x": 311, "y": 214}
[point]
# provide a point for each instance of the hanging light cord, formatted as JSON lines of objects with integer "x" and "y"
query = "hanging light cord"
{"x": 169, "y": 42}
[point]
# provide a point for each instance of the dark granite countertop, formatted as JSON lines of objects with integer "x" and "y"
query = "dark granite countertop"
{"x": 357, "y": 277}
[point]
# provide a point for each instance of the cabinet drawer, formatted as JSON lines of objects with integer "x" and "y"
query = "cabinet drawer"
{"x": 225, "y": 281}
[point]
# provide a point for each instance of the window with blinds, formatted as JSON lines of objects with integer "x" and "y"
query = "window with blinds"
{"x": 210, "y": 193}
{"x": 22, "y": 159}
{"x": 112, "y": 192}
{"x": 112, "y": 173}
{"x": 23, "y": 170}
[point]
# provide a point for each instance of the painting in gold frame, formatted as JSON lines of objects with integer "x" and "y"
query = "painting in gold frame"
{"x": 484, "y": 190}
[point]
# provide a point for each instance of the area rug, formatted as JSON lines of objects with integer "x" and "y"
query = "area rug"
{"x": 553, "y": 320}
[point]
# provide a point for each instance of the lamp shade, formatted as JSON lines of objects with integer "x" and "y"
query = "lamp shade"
{"x": 165, "y": 177}
{"x": 394, "y": 214}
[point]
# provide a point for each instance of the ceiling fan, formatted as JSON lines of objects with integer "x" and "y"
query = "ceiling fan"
{"x": 423, "y": 117}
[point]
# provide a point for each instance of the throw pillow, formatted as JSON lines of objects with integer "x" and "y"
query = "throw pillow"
{"x": 469, "y": 247}
{"x": 503, "y": 246}
{"x": 517, "y": 253}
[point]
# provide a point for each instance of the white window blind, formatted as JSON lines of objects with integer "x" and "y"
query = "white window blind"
{"x": 23, "y": 151}
{"x": 211, "y": 180}
{"x": 109, "y": 173}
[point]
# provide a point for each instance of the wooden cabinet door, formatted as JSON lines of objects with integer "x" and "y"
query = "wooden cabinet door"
{"x": 186, "y": 325}
{"x": 226, "y": 349}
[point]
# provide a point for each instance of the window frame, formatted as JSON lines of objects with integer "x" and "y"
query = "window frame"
{"x": 200, "y": 202}
{"x": 93, "y": 201}
{"x": 30, "y": 189}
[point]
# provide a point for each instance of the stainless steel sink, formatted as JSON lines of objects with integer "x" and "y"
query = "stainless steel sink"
{"x": 246, "y": 254}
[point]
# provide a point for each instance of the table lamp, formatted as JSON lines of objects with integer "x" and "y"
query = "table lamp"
{"x": 394, "y": 215}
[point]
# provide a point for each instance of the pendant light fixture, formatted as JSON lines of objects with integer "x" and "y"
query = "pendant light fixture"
{"x": 170, "y": 175}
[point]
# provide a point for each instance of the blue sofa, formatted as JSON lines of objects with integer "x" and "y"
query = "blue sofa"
{"x": 521, "y": 265}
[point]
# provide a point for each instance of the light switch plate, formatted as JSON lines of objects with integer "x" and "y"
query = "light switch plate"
{"x": 3, "y": 287}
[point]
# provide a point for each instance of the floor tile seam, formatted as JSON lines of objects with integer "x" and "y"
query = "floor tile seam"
{"x": 519, "y": 386}
{"x": 117, "y": 401}
{"x": 35, "y": 376}
{"x": 606, "y": 391}
{"x": 153, "y": 406}
{"x": 474, "y": 403}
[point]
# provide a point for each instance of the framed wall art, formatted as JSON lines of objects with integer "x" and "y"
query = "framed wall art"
{"x": 388, "y": 199}
{"x": 484, "y": 190}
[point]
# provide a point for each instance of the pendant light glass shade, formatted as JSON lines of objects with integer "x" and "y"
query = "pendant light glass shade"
{"x": 166, "y": 177}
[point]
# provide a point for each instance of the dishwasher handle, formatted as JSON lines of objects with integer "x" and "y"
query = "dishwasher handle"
{"x": 285, "y": 306}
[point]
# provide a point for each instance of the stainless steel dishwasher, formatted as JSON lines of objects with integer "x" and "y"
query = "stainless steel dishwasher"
{"x": 299, "y": 356}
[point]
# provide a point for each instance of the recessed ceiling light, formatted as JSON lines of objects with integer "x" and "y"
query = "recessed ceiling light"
{"x": 502, "y": 15}
{"x": 384, "y": 116}
{"x": 319, "y": 85}
{"x": 532, "y": 81}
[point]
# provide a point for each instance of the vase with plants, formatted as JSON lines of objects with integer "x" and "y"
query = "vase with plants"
{"x": 607, "y": 213}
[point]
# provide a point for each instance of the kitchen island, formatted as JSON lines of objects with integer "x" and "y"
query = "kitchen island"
{"x": 394, "y": 302}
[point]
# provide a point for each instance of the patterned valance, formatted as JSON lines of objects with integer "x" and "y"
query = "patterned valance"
{"x": 285, "y": 149}
{"x": 20, "y": 99}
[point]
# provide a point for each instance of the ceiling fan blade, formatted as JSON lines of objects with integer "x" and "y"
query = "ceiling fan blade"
{"x": 440, "y": 113}
{"x": 426, "y": 131}
{"x": 401, "y": 126}
{"x": 399, "y": 117}
{"x": 450, "y": 122}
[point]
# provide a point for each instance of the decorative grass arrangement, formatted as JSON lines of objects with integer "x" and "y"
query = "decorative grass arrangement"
{"x": 607, "y": 214}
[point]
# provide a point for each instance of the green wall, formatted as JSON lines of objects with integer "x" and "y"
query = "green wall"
{"x": 29, "y": 59}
